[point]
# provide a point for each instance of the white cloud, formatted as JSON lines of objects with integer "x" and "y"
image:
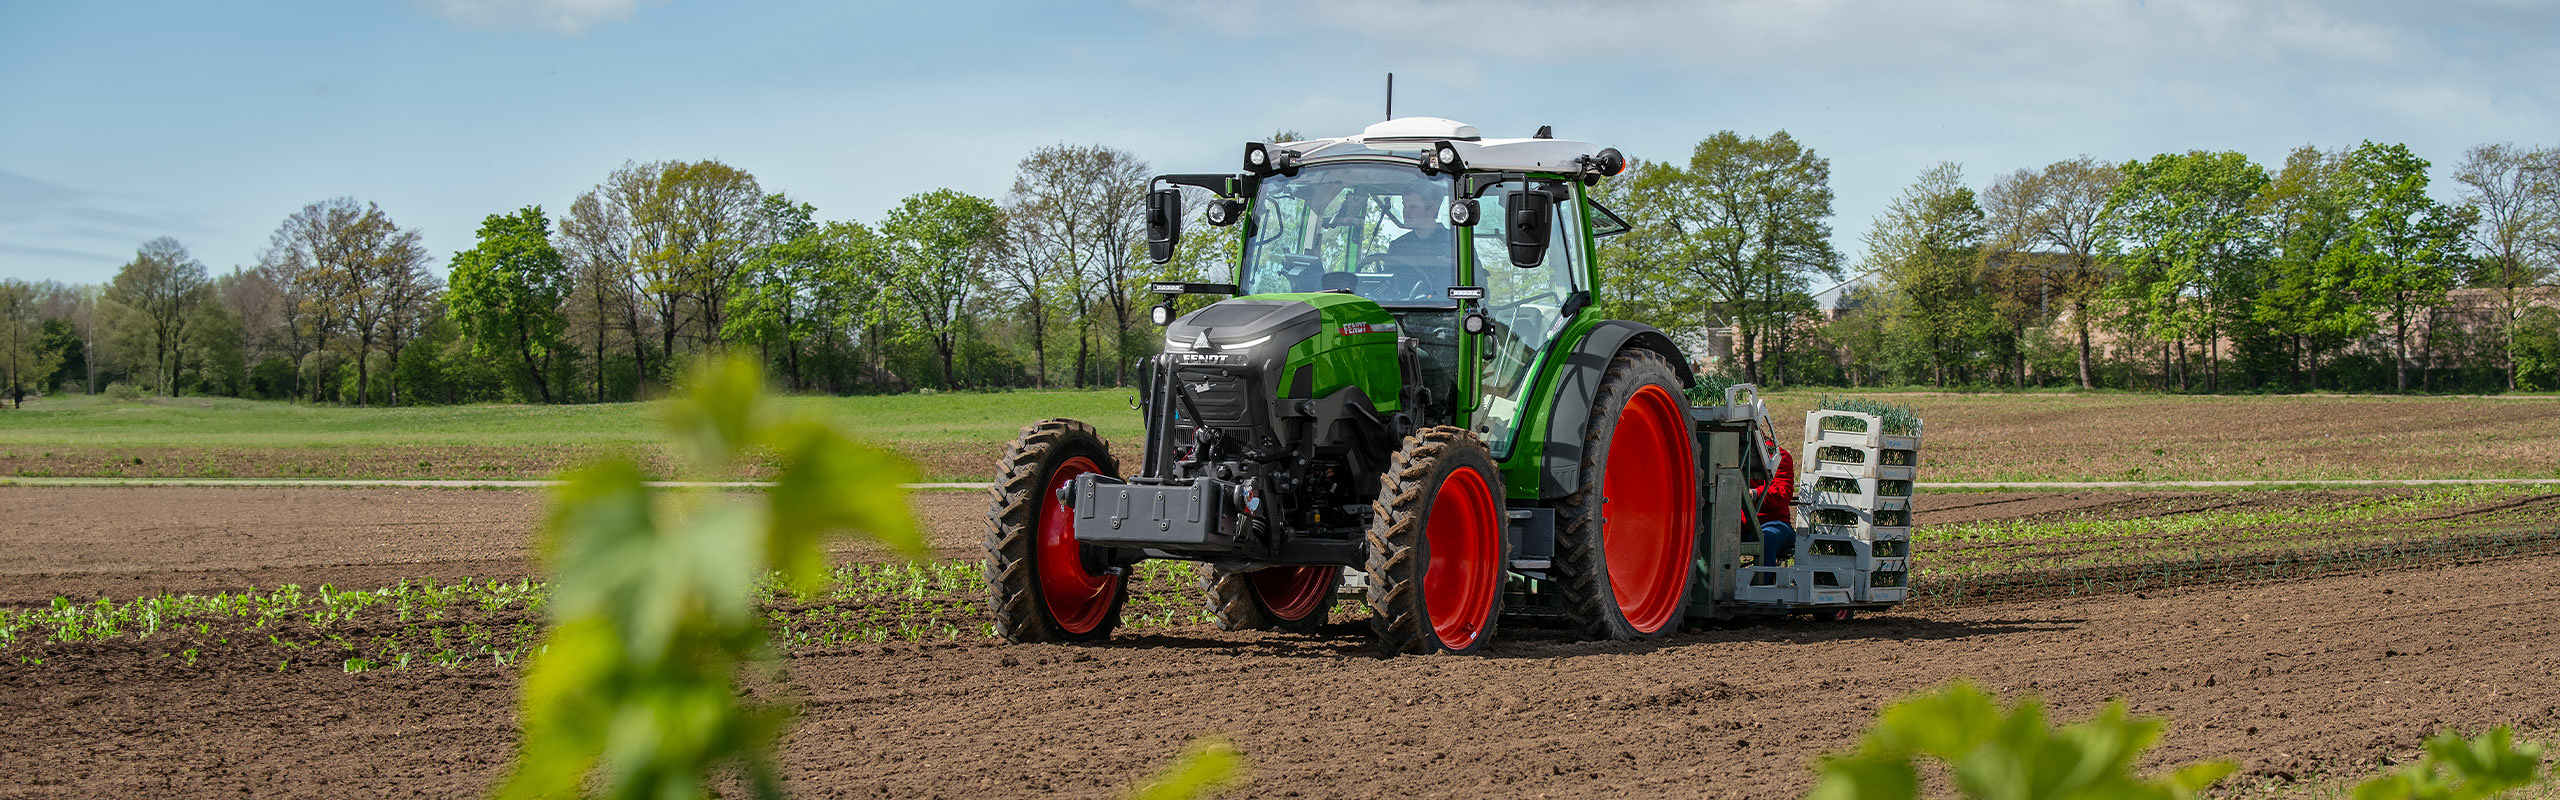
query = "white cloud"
{"x": 566, "y": 17}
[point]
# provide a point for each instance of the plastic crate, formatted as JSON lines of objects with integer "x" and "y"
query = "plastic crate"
{"x": 1873, "y": 436}
{"x": 1855, "y": 492}
{"x": 1889, "y": 512}
{"x": 1855, "y": 461}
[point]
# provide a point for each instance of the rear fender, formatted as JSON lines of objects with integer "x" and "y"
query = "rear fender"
{"x": 1577, "y": 383}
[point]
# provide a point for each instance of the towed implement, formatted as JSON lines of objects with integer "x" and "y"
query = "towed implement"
{"x": 1409, "y": 396}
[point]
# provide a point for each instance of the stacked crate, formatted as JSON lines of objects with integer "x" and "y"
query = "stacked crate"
{"x": 1853, "y": 504}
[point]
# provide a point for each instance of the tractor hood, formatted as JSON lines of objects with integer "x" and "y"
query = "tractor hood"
{"x": 1240, "y": 324}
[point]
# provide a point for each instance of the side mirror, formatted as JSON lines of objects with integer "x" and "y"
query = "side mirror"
{"x": 1164, "y": 223}
{"x": 1529, "y": 217}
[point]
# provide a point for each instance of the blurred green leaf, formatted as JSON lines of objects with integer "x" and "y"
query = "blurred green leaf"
{"x": 1211, "y": 765}
{"x": 2455, "y": 768}
{"x": 655, "y": 607}
{"x": 2006, "y": 755}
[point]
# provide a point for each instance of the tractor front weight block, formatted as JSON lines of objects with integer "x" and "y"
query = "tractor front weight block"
{"x": 1190, "y": 516}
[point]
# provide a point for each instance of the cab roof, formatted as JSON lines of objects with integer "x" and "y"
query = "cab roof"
{"x": 1405, "y": 137}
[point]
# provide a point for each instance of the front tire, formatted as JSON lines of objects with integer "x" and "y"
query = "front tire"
{"x": 1627, "y": 535}
{"x": 1435, "y": 545}
{"x": 1043, "y": 585}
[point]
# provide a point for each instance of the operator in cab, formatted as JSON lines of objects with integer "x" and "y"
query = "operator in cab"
{"x": 1423, "y": 260}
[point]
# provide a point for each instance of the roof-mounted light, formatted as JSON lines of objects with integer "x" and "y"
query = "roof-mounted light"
{"x": 1443, "y": 157}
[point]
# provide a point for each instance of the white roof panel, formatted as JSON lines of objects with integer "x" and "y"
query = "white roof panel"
{"x": 1404, "y": 136}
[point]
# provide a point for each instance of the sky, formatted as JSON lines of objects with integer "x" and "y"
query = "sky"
{"x": 211, "y": 122}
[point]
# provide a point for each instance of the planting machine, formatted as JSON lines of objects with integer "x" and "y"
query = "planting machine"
{"x": 1409, "y": 396}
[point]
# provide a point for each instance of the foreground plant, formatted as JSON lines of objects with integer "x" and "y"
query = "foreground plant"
{"x": 1996, "y": 754}
{"x": 653, "y": 603}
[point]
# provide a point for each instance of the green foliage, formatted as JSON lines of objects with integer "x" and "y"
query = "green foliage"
{"x": 653, "y": 605}
{"x": 2537, "y": 350}
{"x": 2455, "y": 768}
{"x": 1928, "y": 246}
{"x": 2185, "y": 230}
{"x": 942, "y": 243}
{"x": 124, "y": 391}
{"x": 1734, "y": 238}
{"x": 506, "y": 294}
{"x": 2011, "y": 754}
{"x": 2402, "y": 246}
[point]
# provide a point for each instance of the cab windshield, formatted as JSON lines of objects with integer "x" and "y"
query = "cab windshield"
{"x": 1377, "y": 230}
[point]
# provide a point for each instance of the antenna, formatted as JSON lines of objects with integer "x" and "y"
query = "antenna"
{"x": 1391, "y": 95}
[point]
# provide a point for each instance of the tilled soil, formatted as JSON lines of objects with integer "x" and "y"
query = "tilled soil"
{"x": 126, "y": 540}
{"x": 2299, "y": 681}
{"x": 121, "y": 542}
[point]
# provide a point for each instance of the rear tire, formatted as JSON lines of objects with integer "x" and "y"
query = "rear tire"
{"x": 1435, "y": 545}
{"x": 1626, "y": 537}
{"x": 1295, "y": 599}
{"x": 1040, "y": 580}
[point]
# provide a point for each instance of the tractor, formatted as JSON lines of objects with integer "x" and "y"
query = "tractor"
{"x": 1407, "y": 395}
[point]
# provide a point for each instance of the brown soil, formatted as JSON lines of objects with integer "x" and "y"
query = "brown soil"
{"x": 2155, "y": 437}
{"x": 2299, "y": 681}
{"x": 1970, "y": 438}
{"x": 121, "y": 542}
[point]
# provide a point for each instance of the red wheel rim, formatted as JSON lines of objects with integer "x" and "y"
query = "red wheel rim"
{"x": 1292, "y": 593}
{"x": 1464, "y": 571}
{"x": 1077, "y": 600}
{"x": 1646, "y": 532}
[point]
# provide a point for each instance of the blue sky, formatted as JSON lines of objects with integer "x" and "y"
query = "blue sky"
{"x": 121, "y": 121}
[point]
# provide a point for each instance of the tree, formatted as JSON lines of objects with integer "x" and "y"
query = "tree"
{"x": 941, "y": 243}
{"x": 25, "y": 360}
{"x": 2403, "y": 244}
{"x": 2306, "y": 297}
{"x": 2515, "y": 193}
{"x": 2055, "y": 213}
{"x": 596, "y": 239}
{"x": 1078, "y": 210}
{"x": 348, "y": 273}
{"x": 156, "y": 295}
{"x": 785, "y": 283}
{"x": 506, "y": 294}
{"x": 2184, "y": 231}
{"x": 1742, "y": 230}
{"x": 1927, "y": 245}
{"x": 711, "y": 211}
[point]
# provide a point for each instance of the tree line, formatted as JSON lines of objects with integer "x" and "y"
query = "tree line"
{"x": 2199, "y": 271}
{"x": 598, "y": 300}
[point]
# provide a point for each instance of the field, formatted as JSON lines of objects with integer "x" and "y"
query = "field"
{"x": 955, "y": 437}
{"x": 192, "y": 641}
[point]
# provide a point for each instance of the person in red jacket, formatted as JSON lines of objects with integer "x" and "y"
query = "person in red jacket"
{"x": 1775, "y": 497}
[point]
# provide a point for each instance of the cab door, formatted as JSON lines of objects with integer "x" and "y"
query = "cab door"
{"x": 1528, "y": 307}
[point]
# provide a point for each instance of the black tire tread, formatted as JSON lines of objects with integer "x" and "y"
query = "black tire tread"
{"x": 1013, "y": 511}
{"x": 1395, "y": 537}
{"x": 1235, "y": 606}
{"x": 1581, "y": 567}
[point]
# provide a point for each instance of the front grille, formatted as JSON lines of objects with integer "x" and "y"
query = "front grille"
{"x": 1224, "y": 400}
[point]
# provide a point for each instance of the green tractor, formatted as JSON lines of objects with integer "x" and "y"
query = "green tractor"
{"x": 1408, "y": 395}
